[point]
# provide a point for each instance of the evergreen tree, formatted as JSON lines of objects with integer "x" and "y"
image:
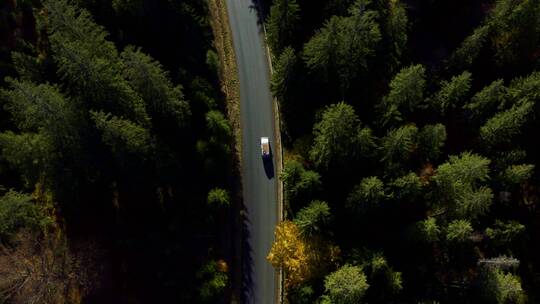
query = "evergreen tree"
{"x": 406, "y": 187}
{"x": 338, "y": 136}
{"x": 31, "y": 154}
{"x": 281, "y": 24}
{"x": 396, "y": 28}
{"x": 218, "y": 197}
{"x": 42, "y": 108}
{"x": 469, "y": 50}
{"x": 218, "y": 126}
{"x": 459, "y": 231}
{"x": 431, "y": 140}
{"x": 347, "y": 285}
{"x": 313, "y": 218}
{"x": 284, "y": 74}
{"x": 487, "y": 101}
{"x": 452, "y": 93}
{"x": 18, "y": 211}
{"x": 429, "y": 230}
{"x": 397, "y": 146}
{"x": 517, "y": 174}
{"x": 502, "y": 233}
{"x": 123, "y": 136}
{"x": 299, "y": 184}
{"x": 406, "y": 93}
{"x": 369, "y": 193}
{"x": 344, "y": 45}
{"x": 516, "y": 30}
{"x": 89, "y": 63}
{"x": 500, "y": 287}
{"x": 459, "y": 185}
{"x": 524, "y": 89}
{"x": 504, "y": 126}
{"x": 153, "y": 84}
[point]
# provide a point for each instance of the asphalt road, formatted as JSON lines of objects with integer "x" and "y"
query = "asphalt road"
{"x": 257, "y": 120}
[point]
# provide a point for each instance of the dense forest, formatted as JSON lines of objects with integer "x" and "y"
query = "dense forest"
{"x": 116, "y": 167}
{"x": 411, "y": 164}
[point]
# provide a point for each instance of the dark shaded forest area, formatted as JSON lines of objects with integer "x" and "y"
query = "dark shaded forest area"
{"x": 116, "y": 157}
{"x": 411, "y": 171}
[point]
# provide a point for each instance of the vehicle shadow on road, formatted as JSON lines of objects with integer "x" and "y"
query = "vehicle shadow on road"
{"x": 268, "y": 164}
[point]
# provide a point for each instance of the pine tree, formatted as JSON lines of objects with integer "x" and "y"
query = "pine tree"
{"x": 123, "y": 136}
{"x": 42, "y": 108}
{"x": 431, "y": 140}
{"x": 397, "y": 147}
{"x": 339, "y": 137}
{"x": 218, "y": 197}
{"x": 369, "y": 193}
{"x": 429, "y": 230}
{"x": 406, "y": 93}
{"x": 459, "y": 231}
{"x": 503, "y": 233}
{"x": 452, "y": 93}
{"x": 284, "y": 74}
{"x": 313, "y": 218}
{"x": 153, "y": 84}
{"x": 347, "y": 285}
{"x": 281, "y": 24}
{"x": 486, "y": 102}
{"x": 299, "y": 184}
{"x": 469, "y": 50}
{"x": 396, "y": 28}
{"x": 344, "y": 45}
{"x": 18, "y": 211}
{"x": 504, "y": 126}
{"x": 459, "y": 184}
{"x": 89, "y": 63}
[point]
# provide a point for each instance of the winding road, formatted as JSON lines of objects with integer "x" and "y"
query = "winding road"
{"x": 259, "y": 183}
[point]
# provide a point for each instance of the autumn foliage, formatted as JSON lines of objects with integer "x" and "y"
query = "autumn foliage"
{"x": 298, "y": 256}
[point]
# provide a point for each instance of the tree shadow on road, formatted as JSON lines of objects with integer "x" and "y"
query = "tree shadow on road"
{"x": 247, "y": 258}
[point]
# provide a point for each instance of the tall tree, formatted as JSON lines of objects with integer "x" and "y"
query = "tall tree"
{"x": 313, "y": 218}
{"x": 487, "y": 101}
{"x": 18, "y": 211}
{"x": 89, "y": 63}
{"x": 431, "y": 140}
{"x": 284, "y": 74}
{"x": 42, "y": 108}
{"x": 281, "y": 24}
{"x": 123, "y": 136}
{"x": 339, "y": 136}
{"x": 153, "y": 84}
{"x": 501, "y": 287}
{"x": 397, "y": 147}
{"x": 459, "y": 183}
{"x": 452, "y": 93}
{"x": 369, "y": 193}
{"x": 347, "y": 285}
{"x": 344, "y": 45}
{"x": 459, "y": 231}
{"x": 299, "y": 184}
{"x": 406, "y": 93}
{"x": 395, "y": 29}
{"x": 469, "y": 50}
{"x": 505, "y": 126}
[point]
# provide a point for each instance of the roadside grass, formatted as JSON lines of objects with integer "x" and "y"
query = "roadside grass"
{"x": 230, "y": 86}
{"x": 228, "y": 71}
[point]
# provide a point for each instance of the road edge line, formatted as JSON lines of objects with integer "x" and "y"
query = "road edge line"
{"x": 277, "y": 126}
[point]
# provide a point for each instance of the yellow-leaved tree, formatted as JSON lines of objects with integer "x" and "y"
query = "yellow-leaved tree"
{"x": 299, "y": 258}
